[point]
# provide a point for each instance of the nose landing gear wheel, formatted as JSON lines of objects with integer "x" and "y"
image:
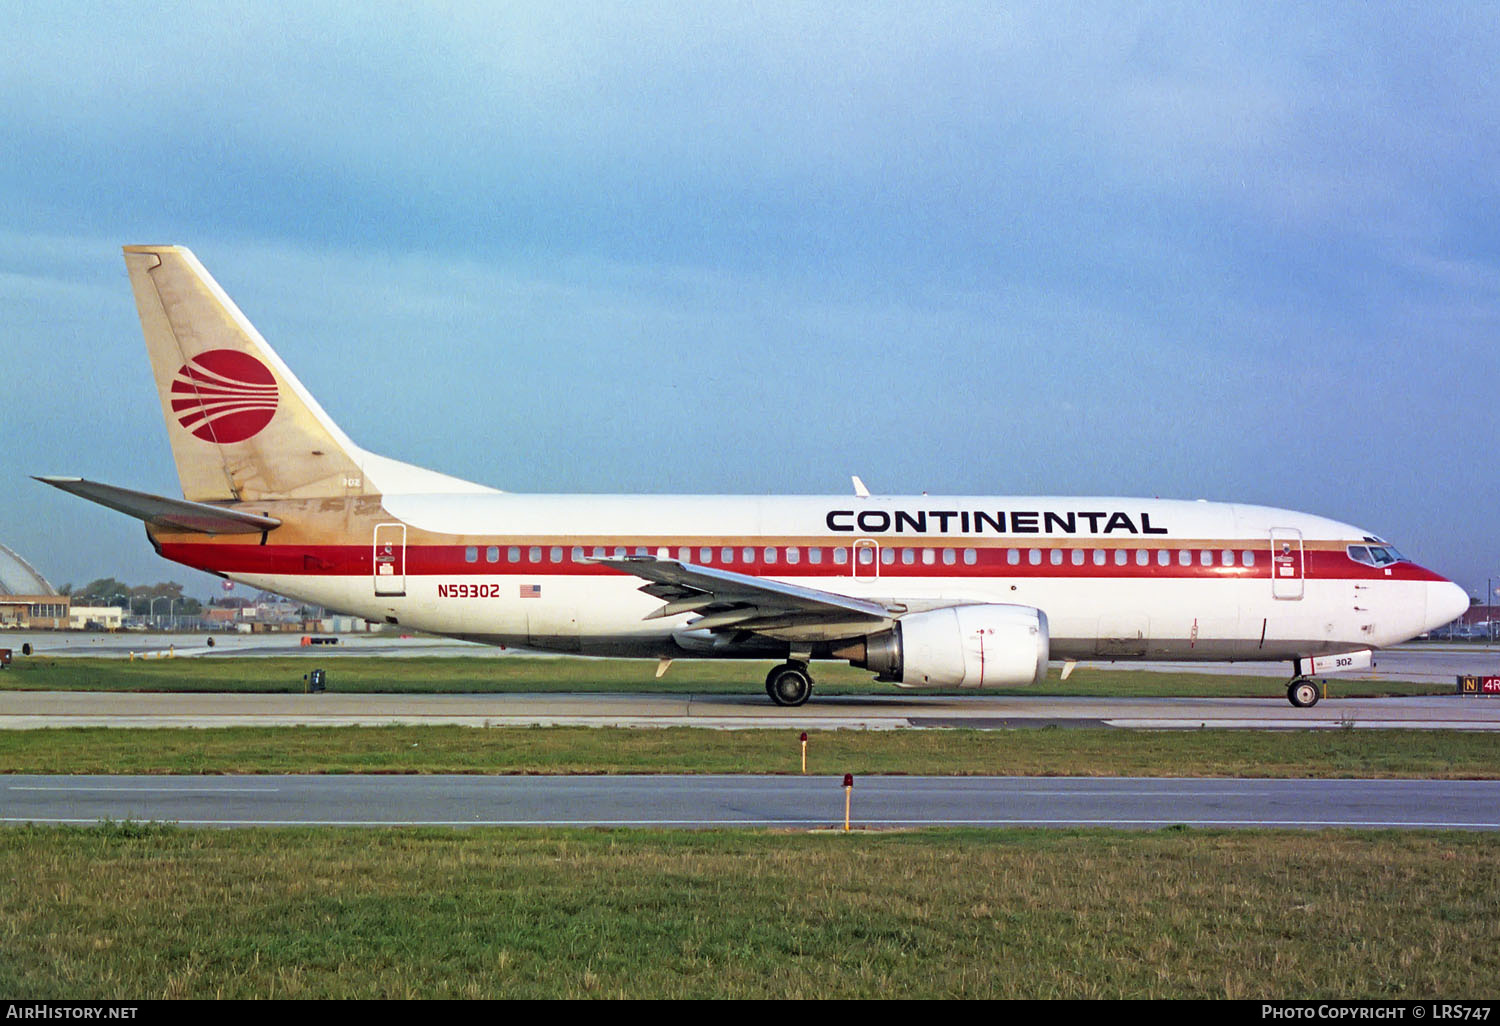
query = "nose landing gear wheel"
{"x": 1302, "y": 693}
{"x": 789, "y": 684}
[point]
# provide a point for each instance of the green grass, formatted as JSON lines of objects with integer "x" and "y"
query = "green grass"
{"x": 424, "y": 675}
{"x": 1025, "y": 752}
{"x": 135, "y": 912}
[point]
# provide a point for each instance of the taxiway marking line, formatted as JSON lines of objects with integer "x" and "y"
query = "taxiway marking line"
{"x": 823, "y": 821}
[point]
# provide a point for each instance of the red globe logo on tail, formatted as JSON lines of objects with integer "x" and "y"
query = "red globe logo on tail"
{"x": 224, "y": 396}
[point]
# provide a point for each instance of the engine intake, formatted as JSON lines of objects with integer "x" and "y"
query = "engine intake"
{"x": 974, "y": 646}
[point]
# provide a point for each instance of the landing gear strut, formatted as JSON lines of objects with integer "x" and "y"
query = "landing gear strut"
{"x": 789, "y": 684}
{"x": 1302, "y": 692}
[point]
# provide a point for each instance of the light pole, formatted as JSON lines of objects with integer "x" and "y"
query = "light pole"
{"x": 153, "y": 610}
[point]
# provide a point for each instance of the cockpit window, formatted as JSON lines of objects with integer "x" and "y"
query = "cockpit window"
{"x": 1375, "y": 555}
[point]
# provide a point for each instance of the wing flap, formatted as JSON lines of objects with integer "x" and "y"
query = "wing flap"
{"x": 731, "y": 601}
{"x": 687, "y": 604}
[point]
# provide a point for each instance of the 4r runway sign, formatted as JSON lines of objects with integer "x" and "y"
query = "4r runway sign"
{"x": 1471, "y": 684}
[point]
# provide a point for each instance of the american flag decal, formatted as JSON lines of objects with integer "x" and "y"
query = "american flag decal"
{"x": 531, "y": 591}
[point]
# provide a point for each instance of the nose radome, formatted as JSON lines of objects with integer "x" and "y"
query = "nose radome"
{"x": 1446, "y": 602}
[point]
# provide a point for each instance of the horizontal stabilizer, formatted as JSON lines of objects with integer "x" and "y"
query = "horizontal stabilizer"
{"x": 160, "y": 511}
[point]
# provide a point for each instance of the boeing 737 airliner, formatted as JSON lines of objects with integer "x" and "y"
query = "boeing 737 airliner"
{"x": 926, "y": 591}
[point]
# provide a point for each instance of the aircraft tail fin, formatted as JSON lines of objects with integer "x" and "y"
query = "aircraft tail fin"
{"x": 242, "y": 427}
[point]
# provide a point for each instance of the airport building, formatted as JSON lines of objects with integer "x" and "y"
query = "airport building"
{"x": 27, "y": 601}
{"x": 87, "y": 618}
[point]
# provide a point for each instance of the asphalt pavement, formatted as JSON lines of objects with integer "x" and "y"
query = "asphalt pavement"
{"x": 751, "y": 801}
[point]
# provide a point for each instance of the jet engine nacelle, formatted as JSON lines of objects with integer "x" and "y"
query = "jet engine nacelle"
{"x": 961, "y": 646}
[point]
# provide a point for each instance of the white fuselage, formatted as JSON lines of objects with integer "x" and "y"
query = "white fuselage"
{"x": 1117, "y": 578}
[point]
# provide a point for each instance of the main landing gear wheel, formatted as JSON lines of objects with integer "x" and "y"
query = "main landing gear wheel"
{"x": 1302, "y": 692}
{"x": 789, "y": 684}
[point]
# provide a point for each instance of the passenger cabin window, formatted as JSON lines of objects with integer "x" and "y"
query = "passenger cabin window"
{"x": 1034, "y": 557}
{"x": 949, "y": 557}
{"x": 971, "y": 556}
{"x": 1226, "y": 558}
{"x": 841, "y": 556}
{"x": 888, "y": 556}
{"x": 867, "y": 556}
{"x": 1247, "y": 558}
{"x": 513, "y": 554}
{"x": 471, "y": 554}
{"x": 1013, "y": 556}
{"x": 1163, "y": 557}
{"x": 748, "y": 554}
{"x": 534, "y": 554}
{"x": 1099, "y": 557}
{"x": 492, "y": 554}
{"x": 1206, "y": 558}
{"x": 726, "y": 555}
{"x": 908, "y": 556}
{"x": 770, "y": 555}
{"x": 1184, "y": 557}
{"x": 793, "y": 554}
{"x": 555, "y": 554}
{"x": 1142, "y": 557}
{"x": 578, "y": 553}
{"x": 705, "y": 555}
{"x": 1055, "y": 557}
{"x": 815, "y": 555}
{"x": 1120, "y": 557}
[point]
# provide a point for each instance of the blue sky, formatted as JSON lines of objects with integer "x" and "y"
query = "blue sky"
{"x": 1240, "y": 252}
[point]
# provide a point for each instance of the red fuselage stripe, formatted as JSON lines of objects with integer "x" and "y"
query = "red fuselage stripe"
{"x": 451, "y": 560}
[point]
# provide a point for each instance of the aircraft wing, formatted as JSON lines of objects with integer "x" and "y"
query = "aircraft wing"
{"x": 160, "y": 511}
{"x": 728, "y": 601}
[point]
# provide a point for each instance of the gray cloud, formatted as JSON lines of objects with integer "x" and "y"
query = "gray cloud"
{"x": 1239, "y": 252}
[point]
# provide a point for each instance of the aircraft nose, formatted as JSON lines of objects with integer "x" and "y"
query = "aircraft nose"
{"x": 1446, "y": 602}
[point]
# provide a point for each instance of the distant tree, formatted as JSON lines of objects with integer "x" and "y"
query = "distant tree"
{"x": 171, "y": 591}
{"x": 105, "y": 591}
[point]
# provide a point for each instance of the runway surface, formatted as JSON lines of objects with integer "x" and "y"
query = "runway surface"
{"x": 1421, "y": 663}
{"x": 744, "y": 801}
{"x": 24, "y": 710}
{"x": 1429, "y": 663}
